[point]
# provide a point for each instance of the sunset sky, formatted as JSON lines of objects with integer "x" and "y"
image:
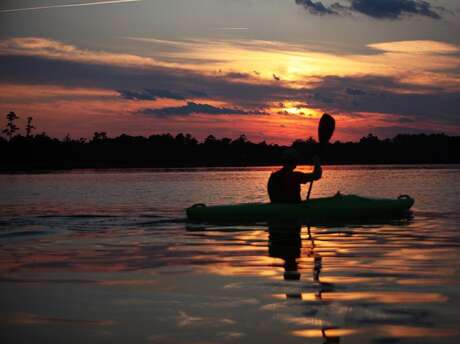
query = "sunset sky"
{"x": 264, "y": 68}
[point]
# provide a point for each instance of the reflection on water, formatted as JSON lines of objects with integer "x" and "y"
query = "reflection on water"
{"x": 127, "y": 267}
{"x": 285, "y": 242}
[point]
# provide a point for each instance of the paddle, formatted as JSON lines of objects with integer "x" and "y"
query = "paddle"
{"x": 326, "y": 128}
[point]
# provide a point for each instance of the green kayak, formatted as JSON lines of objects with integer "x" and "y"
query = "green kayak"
{"x": 338, "y": 208}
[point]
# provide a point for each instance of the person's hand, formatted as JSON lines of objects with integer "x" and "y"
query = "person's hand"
{"x": 317, "y": 171}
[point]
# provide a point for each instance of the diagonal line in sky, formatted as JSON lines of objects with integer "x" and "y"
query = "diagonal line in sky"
{"x": 231, "y": 28}
{"x": 68, "y": 5}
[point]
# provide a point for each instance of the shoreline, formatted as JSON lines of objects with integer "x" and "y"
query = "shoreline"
{"x": 203, "y": 168}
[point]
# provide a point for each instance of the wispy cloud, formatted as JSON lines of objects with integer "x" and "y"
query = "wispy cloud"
{"x": 398, "y": 80}
{"x": 149, "y": 94}
{"x": 195, "y": 108}
{"x": 419, "y": 62}
{"x": 416, "y": 47}
{"x": 96, "y": 3}
{"x": 48, "y": 48}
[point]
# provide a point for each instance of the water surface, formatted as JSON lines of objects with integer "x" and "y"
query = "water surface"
{"x": 107, "y": 257}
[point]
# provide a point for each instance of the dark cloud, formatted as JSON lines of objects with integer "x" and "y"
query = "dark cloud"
{"x": 394, "y": 9}
{"x": 316, "y": 7}
{"x": 385, "y": 95}
{"x": 355, "y": 92}
{"x": 379, "y": 9}
{"x": 235, "y": 75}
{"x": 149, "y": 94}
{"x": 195, "y": 108}
{"x": 196, "y": 93}
{"x": 46, "y": 71}
{"x": 369, "y": 94}
{"x": 389, "y": 131}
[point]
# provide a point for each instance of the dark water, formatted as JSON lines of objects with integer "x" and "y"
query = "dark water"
{"x": 107, "y": 257}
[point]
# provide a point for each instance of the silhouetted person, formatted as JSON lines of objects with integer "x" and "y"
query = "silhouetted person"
{"x": 284, "y": 184}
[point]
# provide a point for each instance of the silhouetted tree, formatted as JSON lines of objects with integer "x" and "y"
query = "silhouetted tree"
{"x": 29, "y": 127}
{"x": 99, "y": 136}
{"x": 241, "y": 140}
{"x": 210, "y": 140}
{"x": 67, "y": 138}
{"x": 369, "y": 139}
{"x": 11, "y": 128}
{"x": 164, "y": 150}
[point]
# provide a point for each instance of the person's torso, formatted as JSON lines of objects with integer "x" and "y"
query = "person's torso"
{"x": 285, "y": 187}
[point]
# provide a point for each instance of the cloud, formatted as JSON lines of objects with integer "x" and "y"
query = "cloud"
{"x": 149, "y": 94}
{"x": 385, "y": 95}
{"x": 79, "y": 73}
{"x": 315, "y": 7}
{"x": 195, "y": 108}
{"x": 394, "y": 9}
{"x": 348, "y": 95}
{"x": 51, "y": 49}
{"x": 378, "y": 9}
{"x": 416, "y": 47}
{"x": 196, "y": 93}
{"x": 355, "y": 92}
{"x": 378, "y": 94}
{"x": 236, "y": 75}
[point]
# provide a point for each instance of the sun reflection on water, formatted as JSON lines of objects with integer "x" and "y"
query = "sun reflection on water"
{"x": 153, "y": 277}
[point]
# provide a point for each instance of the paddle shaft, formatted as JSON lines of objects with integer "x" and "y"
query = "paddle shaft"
{"x": 325, "y": 131}
{"x": 310, "y": 188}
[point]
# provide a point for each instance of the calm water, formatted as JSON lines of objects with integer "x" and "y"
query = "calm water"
{"x": 107, "y": 257}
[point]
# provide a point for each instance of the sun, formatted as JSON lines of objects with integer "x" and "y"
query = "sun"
{"x": 296, "y": 109}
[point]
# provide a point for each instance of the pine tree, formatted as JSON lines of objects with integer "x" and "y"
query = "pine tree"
{"x": 29, "y": 126}
{"x": 11, "y": 128}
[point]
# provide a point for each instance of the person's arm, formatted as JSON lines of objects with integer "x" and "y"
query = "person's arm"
{"x": 315, "y": 175}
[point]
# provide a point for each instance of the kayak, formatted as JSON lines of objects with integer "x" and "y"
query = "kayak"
{"x": 337, "y": 208}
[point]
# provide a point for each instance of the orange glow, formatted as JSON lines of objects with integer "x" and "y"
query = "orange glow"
{"x": 413, "y": 332}
{"x": 32, "y": 319}
{"x": 299, "y": 65}
{"x": 296, "y": 108}
{"x": 293, "y": 63}
{"x": 383, "y": 297}
{"x": 317, "y": 333}
{"x": 416, "y": 47}
{"x": 259, "y": 266}
{"x": 294, "y": 66}
{"x": 127, "y": 282}
{"x": 41, "y": 92}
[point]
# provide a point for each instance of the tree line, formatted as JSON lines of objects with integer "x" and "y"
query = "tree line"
{"x": 40, "y": 151}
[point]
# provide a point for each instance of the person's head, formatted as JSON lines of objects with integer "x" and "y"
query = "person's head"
{"x": 290, "y": 159}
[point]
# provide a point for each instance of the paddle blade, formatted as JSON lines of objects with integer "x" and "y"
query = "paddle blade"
{"x": 326, "y": 128}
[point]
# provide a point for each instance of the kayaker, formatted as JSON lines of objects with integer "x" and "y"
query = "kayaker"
{"x": 284, "y": 185}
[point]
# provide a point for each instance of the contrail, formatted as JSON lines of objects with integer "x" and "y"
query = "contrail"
{"x": 68, "y": 5}
{"x": 231, "y": 28}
